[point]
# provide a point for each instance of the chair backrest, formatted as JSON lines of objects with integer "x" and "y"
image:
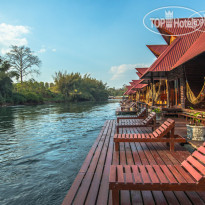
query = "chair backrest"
{"x": 132, "y": 104}
{"x": 150, "y": 118}
{"x": 142, "y": 113}
{"x": 165, "y": 128}
{"x": 195, "y": 164}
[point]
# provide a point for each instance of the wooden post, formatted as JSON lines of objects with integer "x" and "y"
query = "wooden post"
{"x": 117, "y": 130}
{"x": 182, "y": 88}
{"x": 172, "y": 139}
{"x": 152, "y": 81}
{"x": 116, "y": 146}
{"x": 168, "y": 93}
{"x": 115, "y": 197}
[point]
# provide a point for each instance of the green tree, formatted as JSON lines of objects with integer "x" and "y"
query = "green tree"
{"x": 22, "y": 60}
{"x": 6, "y": 76}
{"x": 76, "y": 87}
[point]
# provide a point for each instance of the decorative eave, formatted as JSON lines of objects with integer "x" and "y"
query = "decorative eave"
{"x": 157, "y": 50}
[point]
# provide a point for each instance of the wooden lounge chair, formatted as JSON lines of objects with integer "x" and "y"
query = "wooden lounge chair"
{"x": 141, "y": 115}
{"x": 188, "y": 176}
{"x": 132, "y": 104}
{"x": 149, "y": 121}
{"x": 165, "y": 133}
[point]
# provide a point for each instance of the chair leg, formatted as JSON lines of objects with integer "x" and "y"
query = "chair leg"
{"x": 171, "y": 146}
{"x": 117, "y": 130}
{"x": 115, "y": 197}
{"x": 116, "y": 146}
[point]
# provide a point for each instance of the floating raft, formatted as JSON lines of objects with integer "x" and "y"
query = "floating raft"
{"x": 91, "y": 185}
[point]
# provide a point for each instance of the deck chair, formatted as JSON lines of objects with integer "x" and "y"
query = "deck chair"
{"x": 141, "y": 115}
{"x": 149, "y": 121}
{"x": 187, "y": 176}
{"x": 132, "y": 104}
{"x": 165, "y": 133}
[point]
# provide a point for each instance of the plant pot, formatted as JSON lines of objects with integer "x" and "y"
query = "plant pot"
{"x": 196, "y": 132}
{"x": 158, "y": 116}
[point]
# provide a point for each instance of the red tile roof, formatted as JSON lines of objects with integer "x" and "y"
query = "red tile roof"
{"x": 197, "y": 48}
{"x": 139, "y": 74}
{"x": 129, "y": 87}
{"x": 176, "y": 50}
{"x": 135, "y": 81}
{"x": 142, "y": 70}
{"x": 138, "y": 85}
{"x": 131, "y": 83}
{"x": 157, "y": 50}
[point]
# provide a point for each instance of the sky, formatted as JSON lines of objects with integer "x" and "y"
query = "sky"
{"x": 104, "y": 38}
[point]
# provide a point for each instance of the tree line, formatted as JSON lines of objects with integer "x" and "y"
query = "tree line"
{"x": 21, "y": 62}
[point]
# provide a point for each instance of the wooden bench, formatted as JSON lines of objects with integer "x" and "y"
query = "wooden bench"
{"x": 165, "y": 133}
{"x": 149, "y": 121}
{"x": 141, "y": 115}
{"x": 187, "y": 176}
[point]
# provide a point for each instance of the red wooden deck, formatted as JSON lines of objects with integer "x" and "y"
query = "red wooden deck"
{"x": 91, "y": 183}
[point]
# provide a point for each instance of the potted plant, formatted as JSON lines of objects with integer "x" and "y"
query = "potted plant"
{"x": 158, "y": 112}
{"x": 196, "y": 130}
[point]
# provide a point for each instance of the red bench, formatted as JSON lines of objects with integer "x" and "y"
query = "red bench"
{"x": 189, "y": 176}
{"x": 165, "y": 133}
{"x": 149, "y": 121}
{"x": 141, "y": 115}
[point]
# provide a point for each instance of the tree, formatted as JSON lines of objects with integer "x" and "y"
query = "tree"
{"x": 22, "y": 60}
{"x": 75, "y": 87}
{"x": 5, "y": 80}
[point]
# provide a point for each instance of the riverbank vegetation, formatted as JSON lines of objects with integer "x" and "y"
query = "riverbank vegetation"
{"x": 67, "y": 87}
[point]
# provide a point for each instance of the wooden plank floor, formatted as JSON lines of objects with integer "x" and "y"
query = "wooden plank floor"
{"x": 91, "y": 183}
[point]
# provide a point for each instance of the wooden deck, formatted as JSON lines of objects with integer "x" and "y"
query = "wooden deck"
{"x": 91, "y": 183}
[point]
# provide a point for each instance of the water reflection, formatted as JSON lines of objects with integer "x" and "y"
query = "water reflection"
{"x": 42, "y": 148}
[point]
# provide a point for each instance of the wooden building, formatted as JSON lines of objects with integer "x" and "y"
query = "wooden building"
{"x": 176, "y": 78}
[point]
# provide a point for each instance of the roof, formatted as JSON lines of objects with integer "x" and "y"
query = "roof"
{"x": 176, "y": 50}
{"x": 197, "y": 48}
{"x": 139, "y": 74}
{"x": 129, "y": 87}
{"x": 131, "y": 83}
{"x": 138, "y": 85}
{"x": 135, "y": 81}
{"x": 142, "y": 70}
{"x": 157, "y": 50}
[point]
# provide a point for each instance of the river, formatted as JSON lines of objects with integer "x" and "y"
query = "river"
{"x": 43, "y": 147}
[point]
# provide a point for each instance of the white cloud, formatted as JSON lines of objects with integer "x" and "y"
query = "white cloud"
{"x": 54, "y": 50}
{"x": 121, "y": 70}
{"x": 5, "y": 50}
{"x": 12, "y": 35}
{"x": 122, "y": 74}
{"x": 42, "y": 50}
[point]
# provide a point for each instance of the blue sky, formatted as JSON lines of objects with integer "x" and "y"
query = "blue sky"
{"x": 105, "y": 38}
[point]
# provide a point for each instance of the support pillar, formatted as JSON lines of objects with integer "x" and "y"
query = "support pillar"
{"x": 152, "y": 82}
{"x": 168, "y": 94}
{"x": 182, "y": 89}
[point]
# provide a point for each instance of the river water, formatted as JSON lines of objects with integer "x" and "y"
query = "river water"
{"x": 43, "y": 147}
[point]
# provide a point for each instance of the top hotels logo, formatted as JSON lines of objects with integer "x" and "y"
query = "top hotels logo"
{"x": 169, "y": 18}
{"x": 186, "y": 19}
